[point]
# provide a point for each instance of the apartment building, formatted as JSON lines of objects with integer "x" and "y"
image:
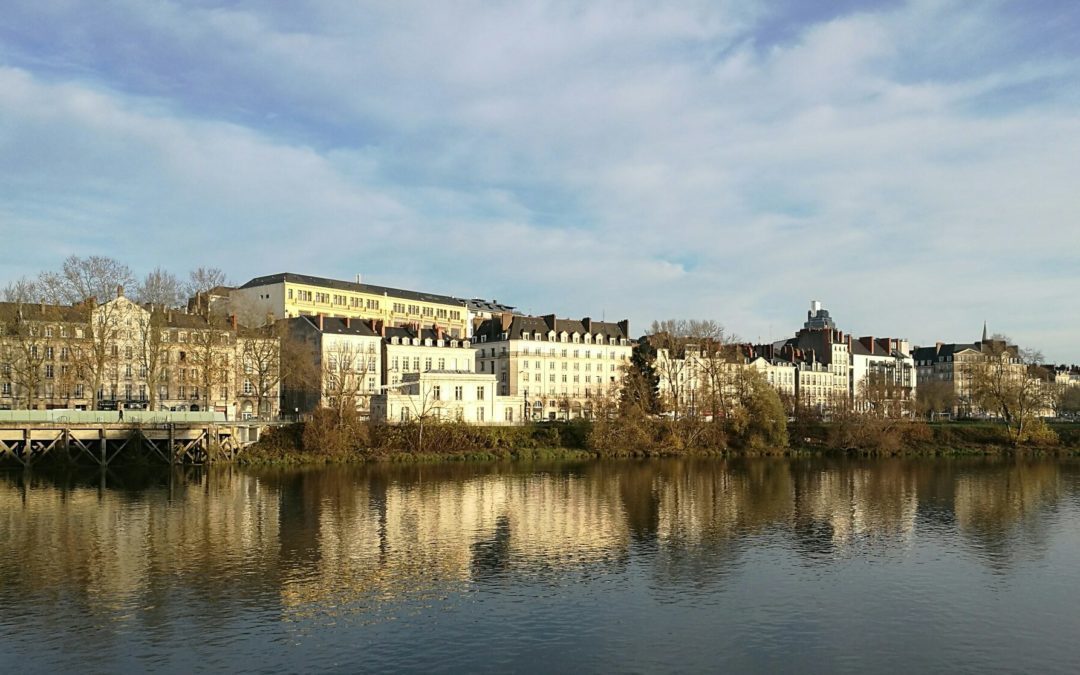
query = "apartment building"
{"x": 882, "y": 373}
{"x": 344, "y": 357}
{"x": 119, "y": 354}
{"x": 950, "y": 363}
{"x": 412, "y": 349}
{"x": 288, "y": 295}
{"x": 451, "y": 395}
{"x": 695, "y": 381}
{"x": 558, "y": 366}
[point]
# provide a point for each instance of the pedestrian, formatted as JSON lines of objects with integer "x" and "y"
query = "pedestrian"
{"x": 120, "y": 409}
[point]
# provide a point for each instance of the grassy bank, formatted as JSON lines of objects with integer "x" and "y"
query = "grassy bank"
{"x": 450, "y": 441}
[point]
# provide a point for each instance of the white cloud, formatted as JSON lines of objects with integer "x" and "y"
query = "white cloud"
{"x": 647, "y": 160}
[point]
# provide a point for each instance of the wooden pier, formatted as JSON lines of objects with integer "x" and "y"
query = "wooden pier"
{"x": 102, "y": 443}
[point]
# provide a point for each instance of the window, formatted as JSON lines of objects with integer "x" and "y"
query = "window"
{"x": 479, "y": 414}
{"x": 48, "y": 371}
{"x": 442, "y": 364}
{"x": 249, "y": 389}
{"x": 480, "y": 393}
{"x": 427, "y": 363}
{"x": 436, "y": 392}
{"x": 458, "y": 393}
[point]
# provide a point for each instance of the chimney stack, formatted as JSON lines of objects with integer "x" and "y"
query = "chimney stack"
{"x": 624, "y": 326}
{"x": 119, "y": 291}
{"x": 506, "y": 318}
{"x": 348, "y": 322}
{"x": 868, "y": 342}
{"x": 587, "y": 322}
{"x": 322, "y": 317}
{"x": 232, "y": 320}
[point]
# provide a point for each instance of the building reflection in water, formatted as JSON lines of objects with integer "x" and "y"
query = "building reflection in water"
{"x": 351, "y": 538}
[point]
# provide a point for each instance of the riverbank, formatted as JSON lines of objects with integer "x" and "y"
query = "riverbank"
{"x": 577, "y": 440}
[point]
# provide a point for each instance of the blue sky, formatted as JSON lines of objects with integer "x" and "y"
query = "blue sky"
{"x": 913, "y": 165}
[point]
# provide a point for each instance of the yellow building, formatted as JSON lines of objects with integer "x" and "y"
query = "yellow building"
{"x": 288, "y": 295}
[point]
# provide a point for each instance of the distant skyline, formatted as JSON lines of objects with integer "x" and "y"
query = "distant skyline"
{"x": 912, "y": 165}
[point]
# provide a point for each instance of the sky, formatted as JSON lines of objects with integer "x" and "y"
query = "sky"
{"x": 912, "y": 165}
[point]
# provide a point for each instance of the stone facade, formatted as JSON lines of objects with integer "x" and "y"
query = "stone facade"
{"x": 559, "y": 367}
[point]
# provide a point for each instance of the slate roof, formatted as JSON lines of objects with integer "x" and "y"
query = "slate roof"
{"x": 492, "y": 328}
{"x": 35, "y": 311}
{"x": 340, "y": 285}
{"x": 481, "y": 305}
{"x": 336, "y": 326}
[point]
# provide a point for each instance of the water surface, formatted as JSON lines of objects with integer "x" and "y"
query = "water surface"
{"x": 750, "y": 565}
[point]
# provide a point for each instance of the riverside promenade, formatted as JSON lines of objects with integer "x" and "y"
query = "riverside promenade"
{"x": 28, "y": 437}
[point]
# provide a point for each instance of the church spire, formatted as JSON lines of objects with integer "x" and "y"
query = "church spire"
{"x": 984, "y": 331}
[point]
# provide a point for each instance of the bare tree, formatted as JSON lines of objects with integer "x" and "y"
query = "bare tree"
{"x": 678, "y": 344}
{"x": 152, "y": 349}
{"x": 1006, "y": 382}
{"x": 23, "y": 355}
{"x": 160, "y": 287}
{"x": 22, "y": 290}
{"x": 209, "y": 357}
{"x": 83, "y": 278}
{"x": 935, "y": 397}
{"x": 202, "y": 279}
{"x": 267, "y": 361}
{"x": 95, "y": 345}
{"x": 344, "y": 374}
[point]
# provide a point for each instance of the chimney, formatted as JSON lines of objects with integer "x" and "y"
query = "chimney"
{"x": 322, "y": 317}
{"x": 92, "y": 301}
{"x": 624, "y": 326}
{"x": 43, "y": 307}
{"x": 232, "y": 320}
{"x": 119, "y": 291}
{"x": 359, "y": 279}
{"x": 867, "y": 342}
{"x": 348, "y": 322}
{"x": 587, "y": 322}
{"x": 551, "y": 321}
{"x": 439, "y": 331}
{"x": 506, "y": 318}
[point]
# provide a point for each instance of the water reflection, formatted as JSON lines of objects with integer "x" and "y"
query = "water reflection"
{"x": 145, "y": 550}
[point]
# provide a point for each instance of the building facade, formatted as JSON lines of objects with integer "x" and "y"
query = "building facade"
{"x": 950, "y": 364}
{"x": 462, "y": 396}
{"x": 410, "y": 349}
{"x": 344, "y": 361}
{"x": 122, "y": 355}
{"x": 288, "y": 295}
{"x": 559, "y": 367}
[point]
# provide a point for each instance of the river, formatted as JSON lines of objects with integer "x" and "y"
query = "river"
{"x": 762, "y": 565}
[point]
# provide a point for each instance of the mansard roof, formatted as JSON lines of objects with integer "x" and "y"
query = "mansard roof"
{"x": 39, "y": 311}
{"x": 340, "y": 285}
{"x": 337, "y": 326}
{"x": 542, "y": 326}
